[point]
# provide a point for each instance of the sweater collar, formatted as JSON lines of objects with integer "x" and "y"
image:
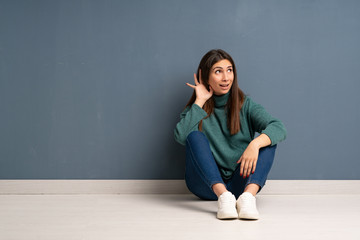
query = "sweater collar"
{"x": 221, "y": 100}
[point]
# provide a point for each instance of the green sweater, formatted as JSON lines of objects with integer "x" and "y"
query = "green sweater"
{"x": 228, "y": 149}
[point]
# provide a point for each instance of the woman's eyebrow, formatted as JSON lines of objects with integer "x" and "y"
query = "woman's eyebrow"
{"x": 221, "y": 67}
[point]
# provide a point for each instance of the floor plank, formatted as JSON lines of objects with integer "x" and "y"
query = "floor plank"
{"x": 175, "y": 216}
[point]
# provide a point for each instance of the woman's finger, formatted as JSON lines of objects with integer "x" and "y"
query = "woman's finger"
{"x": 249, "y": 168}
{"x": 192, "y": 86}
{"x": 242, "y": 167}
{"x": 195, "y": 80}
{"x": 246, "y": 169}
{"x": 239, "y": 161}
{"x": 243, "y": 164}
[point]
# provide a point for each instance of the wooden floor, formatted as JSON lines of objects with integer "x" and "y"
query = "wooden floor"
{"x": 181, "y": 216}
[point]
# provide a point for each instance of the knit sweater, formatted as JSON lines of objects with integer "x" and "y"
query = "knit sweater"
{"x": 226, "y": 148}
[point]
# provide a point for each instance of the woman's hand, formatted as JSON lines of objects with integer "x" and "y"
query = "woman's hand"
{"x": 250, "y": 156}
{"x": 202, "y": 94}
{"x": 248, "y": 160}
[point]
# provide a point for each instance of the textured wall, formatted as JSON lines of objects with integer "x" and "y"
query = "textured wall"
{"x": 93, "y": 89}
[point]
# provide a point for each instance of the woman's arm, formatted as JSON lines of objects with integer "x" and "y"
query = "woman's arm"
{"x": 189, "y": 121}
{"x": 263, "y": 123}
{"x": 271, "y": 132}
{"x": 192, "y": 115}
{"x": 261, "y": 141}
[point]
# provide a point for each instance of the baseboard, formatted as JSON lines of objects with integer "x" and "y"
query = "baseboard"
{"x": 272, "y": 187}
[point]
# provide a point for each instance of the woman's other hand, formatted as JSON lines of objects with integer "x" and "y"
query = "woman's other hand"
{"x": 202, "y": 94}
{"x": 248, "y": 160}
{"x": 250, "y": 156}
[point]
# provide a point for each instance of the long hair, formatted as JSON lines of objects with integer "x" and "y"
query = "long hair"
{"x": 236, "y": 98}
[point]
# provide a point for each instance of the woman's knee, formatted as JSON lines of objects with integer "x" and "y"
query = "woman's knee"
{"x": 267, "y": 155}
{"x": 269, "y": 150}
{"x": 195, "y": 134}
{"x": 195, "y": 137}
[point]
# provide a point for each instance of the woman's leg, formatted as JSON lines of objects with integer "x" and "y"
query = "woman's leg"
{"x": 249, "y": 187}
{"x": 254, "y": 183}
{"x": 201, "y": 171}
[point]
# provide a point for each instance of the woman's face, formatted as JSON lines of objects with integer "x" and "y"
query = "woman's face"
{"x": 221, "y": 77}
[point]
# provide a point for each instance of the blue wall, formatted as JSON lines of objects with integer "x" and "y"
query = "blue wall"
{"x": 93, "y": 89}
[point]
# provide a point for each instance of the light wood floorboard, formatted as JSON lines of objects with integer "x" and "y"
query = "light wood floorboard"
{"x": 175, "y": 216}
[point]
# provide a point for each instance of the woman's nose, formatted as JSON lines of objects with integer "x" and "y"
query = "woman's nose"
{"x": 226, "y": 76}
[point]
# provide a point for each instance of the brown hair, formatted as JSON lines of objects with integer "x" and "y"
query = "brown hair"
{"x": 236, "y": 98}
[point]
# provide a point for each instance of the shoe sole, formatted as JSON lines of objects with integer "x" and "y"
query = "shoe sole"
{"x": 248, "y": 217}
{"x": 228, "y": 216}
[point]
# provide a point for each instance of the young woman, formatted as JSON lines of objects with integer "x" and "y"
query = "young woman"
{"x": 224, "y": 161}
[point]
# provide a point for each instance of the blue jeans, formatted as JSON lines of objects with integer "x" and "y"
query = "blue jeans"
{"x": 201, "y": 171}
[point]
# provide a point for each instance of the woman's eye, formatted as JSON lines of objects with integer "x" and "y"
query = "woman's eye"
{"x": 229, "y": 70}
{"x": 217, "y": 71}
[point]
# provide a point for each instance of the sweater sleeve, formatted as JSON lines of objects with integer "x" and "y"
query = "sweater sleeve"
{"x": 263, "y": 122}
{"x": 189, "y": 121}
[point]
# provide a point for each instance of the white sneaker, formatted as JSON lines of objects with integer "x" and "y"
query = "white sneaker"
{"x": 246, "y": 206}
{"x": 227, "y": 206}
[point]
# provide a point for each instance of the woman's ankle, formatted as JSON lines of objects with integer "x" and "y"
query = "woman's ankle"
{"x": 219, "y": 189}
{"x": 252, "y": 188}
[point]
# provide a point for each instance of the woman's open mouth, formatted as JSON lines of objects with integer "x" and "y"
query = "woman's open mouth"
{"x": 224, "y": 86}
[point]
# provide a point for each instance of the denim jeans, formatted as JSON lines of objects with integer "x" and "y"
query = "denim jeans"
{"x": 201, "y": 171}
